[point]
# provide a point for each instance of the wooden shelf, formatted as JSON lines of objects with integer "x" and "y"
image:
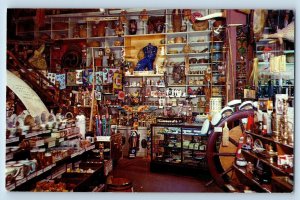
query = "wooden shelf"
{"x": 274, "y": 165}
{"x": 250, "y": 178}
{"x": 269, "y": 139}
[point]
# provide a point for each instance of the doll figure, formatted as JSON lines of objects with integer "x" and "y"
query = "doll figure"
{"x": 147, "y": 62}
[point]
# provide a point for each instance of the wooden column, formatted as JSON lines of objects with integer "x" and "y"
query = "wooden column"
{"x": 233, "y": 17}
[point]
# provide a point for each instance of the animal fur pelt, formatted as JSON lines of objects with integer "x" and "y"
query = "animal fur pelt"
{"x": 286, "y": 33}
{"x": 259, "y": 21}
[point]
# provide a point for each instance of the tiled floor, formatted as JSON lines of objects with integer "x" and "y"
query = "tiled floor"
{"x": 138, "y": 171}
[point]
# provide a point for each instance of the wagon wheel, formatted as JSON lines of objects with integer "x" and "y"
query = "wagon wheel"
{"x": 220, "y": 159}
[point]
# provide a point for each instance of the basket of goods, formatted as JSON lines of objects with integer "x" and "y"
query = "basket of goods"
{"x": 186, "y": 49}
{"x": 200, "y": 25}
{"x": 179, "y": 40}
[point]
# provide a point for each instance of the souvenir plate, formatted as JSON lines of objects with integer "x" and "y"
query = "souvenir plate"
{"x": 216, "y": 119}
{"x": 205, "y": 127}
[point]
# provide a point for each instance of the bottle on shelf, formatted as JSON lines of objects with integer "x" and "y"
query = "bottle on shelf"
{"x": 104, "y": 124}
{"x": 225, "y": 136}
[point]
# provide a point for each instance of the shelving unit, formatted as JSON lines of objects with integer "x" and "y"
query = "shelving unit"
{"x": 178, "y": 147}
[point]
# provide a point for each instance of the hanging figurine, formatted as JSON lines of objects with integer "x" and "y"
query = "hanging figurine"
{"x": 144, "y": 15}
{"x": 176, "y": 20}
{"x": 123, "y": 18}
{"x": 187, "y": 13}
{"x": 119, "y": 30}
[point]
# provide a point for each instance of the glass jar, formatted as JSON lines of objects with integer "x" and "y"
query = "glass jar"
{"x": 41, "y": 157}
{"x": 34, "y": 154}
{"x": 48, "y": 159}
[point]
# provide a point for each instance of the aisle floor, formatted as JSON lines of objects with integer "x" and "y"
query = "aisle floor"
{"x": 138, "y": 171}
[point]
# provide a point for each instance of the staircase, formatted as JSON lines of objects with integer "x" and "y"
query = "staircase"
{"x": 48, "y": 92}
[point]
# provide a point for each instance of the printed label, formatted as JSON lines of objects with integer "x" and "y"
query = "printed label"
{"x": 103, "y": 138}
{"x": 10, "y": 140}
{"x": 51, "y": 144}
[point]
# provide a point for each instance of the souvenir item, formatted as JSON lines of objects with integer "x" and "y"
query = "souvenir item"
{"x": 225, "y": 136}
{"x": 99, "y": 78}
{"x": 132, "y": 28}
{"x": 100, "y": 29}
{"x": 200, "y": 25}
{"x": 38, "y": 60}
{"x": 176, "y": 20}
{"x": 186, "y": 49}
{"x": 61, "y": 78}
{"x": 123, "y": 18}
{"x": 187, "y": 13}
{"x": 216, "y": 118}
{"x": 149, "y": 57}
{"x": 258, "y": 146}
{"x": 51, "y": 77}
{"x": 105, "y": 75}
{"x": 71, "y": 78}
{"x": 119, "y": 30}
{"x": 117, "y": 81}
{"x": 144, "y": 15}
{"x": 79, "y": 80}
{"x": 178, "y": 40}
{"x": 110, "y": 75}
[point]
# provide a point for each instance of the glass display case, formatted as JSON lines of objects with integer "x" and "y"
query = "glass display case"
{"x": 178, "y": 145}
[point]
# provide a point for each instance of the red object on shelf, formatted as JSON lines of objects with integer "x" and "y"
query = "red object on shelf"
{"x": 250, "y": 123}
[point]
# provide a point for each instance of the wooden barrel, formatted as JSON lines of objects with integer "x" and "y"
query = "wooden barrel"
{"x": 119, "y": 185}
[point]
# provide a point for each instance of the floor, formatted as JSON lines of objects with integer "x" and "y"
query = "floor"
{"x": 138, "y": 171}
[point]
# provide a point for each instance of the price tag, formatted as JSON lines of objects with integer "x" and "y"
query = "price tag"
{"x": 103, "y": 138}
{"x": 39, "y": 172}
{"x": 218, "y": 129}
{"x": 51, "y": 144}
{"x": 9, "y": 156}
{"x": 11, "y": 187}
{"x": 11, "y": 140}
{"x": 192, "y": 96}
{"x": 31, "y": 176}
{"x": 90, "y": 148}
{"x": 54, "y": 130}
{"x": 39, "y": 143}
{"x": 61, "y": 139}
{"x": 19, "y": 182}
